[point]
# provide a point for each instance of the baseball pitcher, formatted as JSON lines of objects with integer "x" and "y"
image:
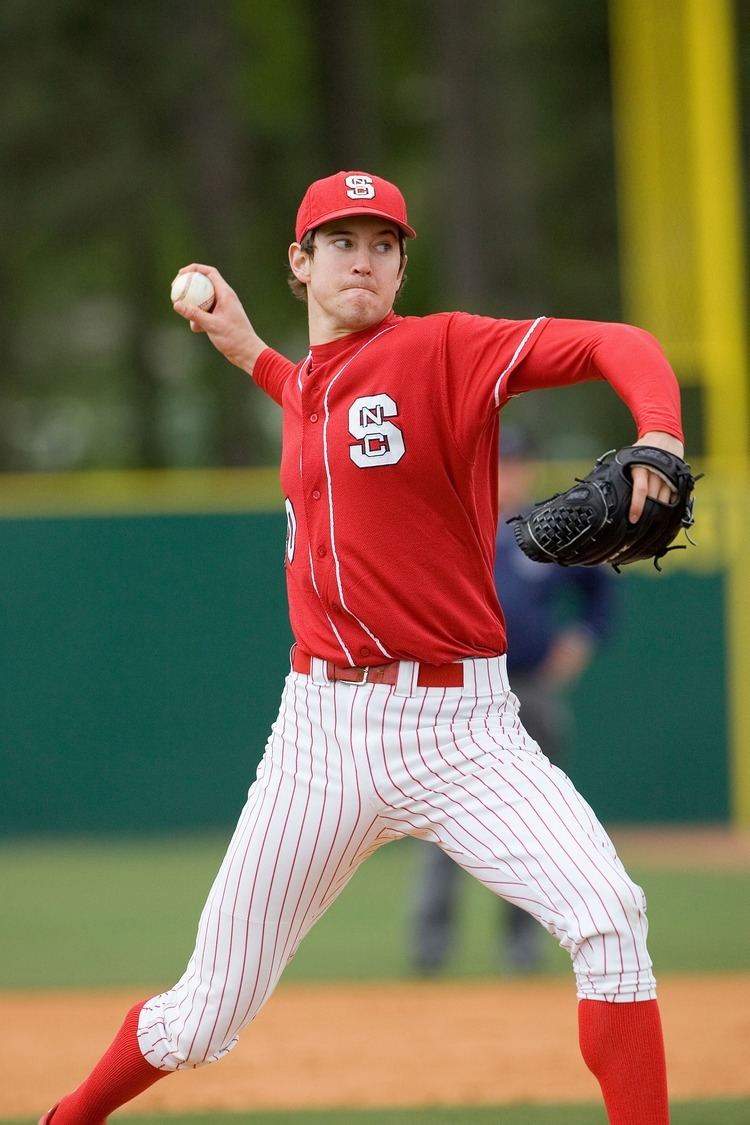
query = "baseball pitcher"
{"x": 397, "y": 717}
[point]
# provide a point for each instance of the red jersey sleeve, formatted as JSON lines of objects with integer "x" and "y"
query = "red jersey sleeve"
{"x": 488, "y": 361}
{"x": 271, "y": 372}
{"x": 629, "y": 359}
{"x": 480, "y": 352}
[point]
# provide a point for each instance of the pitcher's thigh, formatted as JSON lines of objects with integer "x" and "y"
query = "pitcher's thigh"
{"x": 518, "y": 824}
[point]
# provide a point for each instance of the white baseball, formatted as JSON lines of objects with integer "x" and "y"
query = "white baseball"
{"x": 195, "y": 289}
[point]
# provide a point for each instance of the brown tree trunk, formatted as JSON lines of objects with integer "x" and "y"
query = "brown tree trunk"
{"x": 218, "y": 159}
{"x": 459, "y": 30}
{"x": 345, "y": 64}
{"x": 485, "y": 172}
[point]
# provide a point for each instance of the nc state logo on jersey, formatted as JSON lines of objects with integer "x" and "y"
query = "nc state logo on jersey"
{"x": 360, "y": 187}
{"x": 379, "y": 442}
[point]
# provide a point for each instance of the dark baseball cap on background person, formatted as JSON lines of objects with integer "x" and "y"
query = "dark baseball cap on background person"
{"x": 351, "y": 193}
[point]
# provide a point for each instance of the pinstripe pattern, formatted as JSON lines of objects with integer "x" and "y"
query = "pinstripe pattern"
{"x": 349, "y": 767}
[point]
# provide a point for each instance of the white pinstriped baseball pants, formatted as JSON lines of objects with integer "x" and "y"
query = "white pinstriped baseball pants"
{"x": 349, "y": 767}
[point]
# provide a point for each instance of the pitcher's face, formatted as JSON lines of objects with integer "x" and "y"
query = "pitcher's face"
{"x": 353, "y": 277}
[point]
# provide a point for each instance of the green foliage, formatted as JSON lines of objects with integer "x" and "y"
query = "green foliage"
{"x": 139, "y": 137}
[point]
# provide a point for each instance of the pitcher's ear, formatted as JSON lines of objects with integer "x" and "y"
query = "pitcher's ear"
{"x": 299, "y": 262}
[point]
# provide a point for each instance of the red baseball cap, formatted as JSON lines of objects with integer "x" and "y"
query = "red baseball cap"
{"x": 351, "y": 193}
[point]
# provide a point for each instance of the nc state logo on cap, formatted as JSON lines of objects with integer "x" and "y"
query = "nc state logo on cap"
{"x": 360, "y": 187}
{"x": 351, "y": 193}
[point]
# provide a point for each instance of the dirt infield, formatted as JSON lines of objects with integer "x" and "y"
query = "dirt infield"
{"x": 702, "y": 847}
{"x": 385, "y": 1044}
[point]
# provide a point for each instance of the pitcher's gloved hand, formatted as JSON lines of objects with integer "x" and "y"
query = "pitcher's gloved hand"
{"x": 588, "y": 524}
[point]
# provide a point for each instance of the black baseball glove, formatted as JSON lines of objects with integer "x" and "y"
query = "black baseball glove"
{"x": 588, "y": 524}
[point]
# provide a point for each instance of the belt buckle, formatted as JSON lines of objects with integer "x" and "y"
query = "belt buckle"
{"x": 365, "y": 676}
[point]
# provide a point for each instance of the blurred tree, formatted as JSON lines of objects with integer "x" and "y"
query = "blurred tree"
{"x": 138, "y": 137}
{"x": 488, "y": 150}
{"x": 463, "y": 216}
{"x": 217, "y": 158}
{"x": 344, "y": 42}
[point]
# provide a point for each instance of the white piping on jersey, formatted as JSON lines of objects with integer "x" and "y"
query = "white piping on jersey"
{"x": 339, "y": 638}
{"x": 301, "y": 368}
{"x": 341, "y": 371}
{"x": 335, "y": 631}
{"x": 515, "y": 358}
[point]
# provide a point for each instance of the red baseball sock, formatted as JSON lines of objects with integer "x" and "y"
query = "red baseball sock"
{"x": 622, "y": 1045}
{"x": 121, "y": 1073}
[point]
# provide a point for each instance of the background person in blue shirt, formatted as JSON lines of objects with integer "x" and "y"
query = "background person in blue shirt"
{"x": 556, "y": 618}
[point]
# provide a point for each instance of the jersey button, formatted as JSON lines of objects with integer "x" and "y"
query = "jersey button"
{"x": 313, "y": 417}
{"x": 322, "y": 552}
{"x": 364, "y": 651}
{"x": 316, "y": 494}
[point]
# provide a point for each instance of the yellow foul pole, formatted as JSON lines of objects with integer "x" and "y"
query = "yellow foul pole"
{"x": 719, "y": 242}
{"x": 683, "y": 263}
{"x": 720, "y": 248}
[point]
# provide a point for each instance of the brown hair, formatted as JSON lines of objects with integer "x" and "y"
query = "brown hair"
{"x": 307, "y": 246}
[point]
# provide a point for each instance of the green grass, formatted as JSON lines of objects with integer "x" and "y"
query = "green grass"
{"x": 683, "y": 1113}
{"x": 124, "y": 912}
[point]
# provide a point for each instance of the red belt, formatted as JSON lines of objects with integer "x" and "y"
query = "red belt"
{"x": 430, "y": 675}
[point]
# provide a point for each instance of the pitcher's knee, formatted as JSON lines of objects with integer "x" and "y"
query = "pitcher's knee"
{"x": 608, "y": 947}
{"x": 183, "y": 1035}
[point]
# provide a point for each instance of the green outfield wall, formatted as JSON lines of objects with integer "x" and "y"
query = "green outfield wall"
{"x": 143, "y": 657}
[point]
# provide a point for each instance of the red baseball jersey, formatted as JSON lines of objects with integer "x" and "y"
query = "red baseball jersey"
{"x": 389, "y": 469}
